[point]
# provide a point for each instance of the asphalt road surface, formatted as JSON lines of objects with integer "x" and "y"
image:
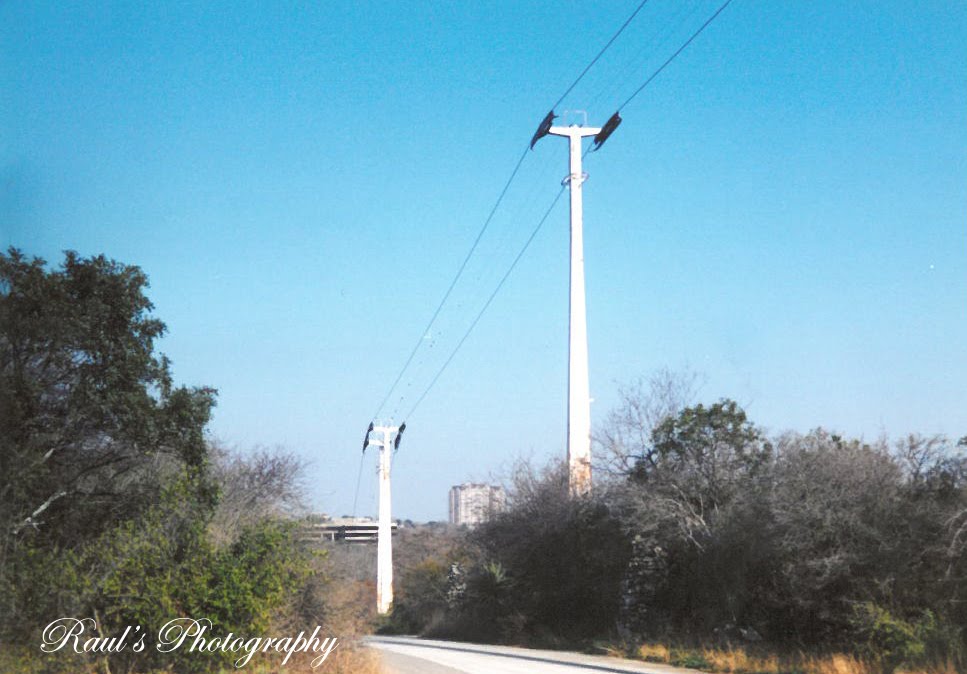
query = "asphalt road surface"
{"x": 407, "y": 655}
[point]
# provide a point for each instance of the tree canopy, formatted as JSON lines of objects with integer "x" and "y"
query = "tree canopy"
{"x": 88, "y": 411}
{"x": 114, "y": 505}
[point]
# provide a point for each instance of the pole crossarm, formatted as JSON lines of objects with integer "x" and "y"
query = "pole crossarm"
{"x": 569, "y": 131}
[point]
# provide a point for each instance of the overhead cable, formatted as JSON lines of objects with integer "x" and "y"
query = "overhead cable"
{"x": 546, "y": 123}
{"x": 677, "y": 52}
{"x": 600, "y": 53}
{"x": 487, "y": 304}
{"x": 453, "y": 283}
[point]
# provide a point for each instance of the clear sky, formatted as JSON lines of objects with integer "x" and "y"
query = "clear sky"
{"x": 784, "y": 209}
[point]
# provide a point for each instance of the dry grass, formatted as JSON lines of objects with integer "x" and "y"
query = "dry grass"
{"x": 359, "y": 661}
{"x": 343, "y": 660}
{"x": 839, "y": 664}
{"x": 655, "y": 653}
{"x": 739, "y": 661}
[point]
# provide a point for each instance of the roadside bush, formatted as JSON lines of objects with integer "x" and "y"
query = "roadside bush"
{"x": 424, "y": 559}
{"x": 563, "y": 556}
{"x": 882, "y": 637}
{"x": 736, "y": 538}
{"x": 420, "y": 604}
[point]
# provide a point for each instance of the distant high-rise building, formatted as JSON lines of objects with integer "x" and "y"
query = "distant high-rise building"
{"x": 472, "y": 504}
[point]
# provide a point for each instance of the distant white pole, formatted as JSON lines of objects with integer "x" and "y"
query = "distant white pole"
{"x": 384, "y": 542}
{"x": 578, "y": 386}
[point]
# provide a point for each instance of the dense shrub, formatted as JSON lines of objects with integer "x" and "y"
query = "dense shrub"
{"x": 712, "y": 532}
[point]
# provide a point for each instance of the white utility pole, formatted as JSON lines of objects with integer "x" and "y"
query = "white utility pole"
{"x": 578, "y": 386}
{"x": 384, "y": 541}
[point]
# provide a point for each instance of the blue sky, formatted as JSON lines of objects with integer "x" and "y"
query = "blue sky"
{"x": 783, "y": 210}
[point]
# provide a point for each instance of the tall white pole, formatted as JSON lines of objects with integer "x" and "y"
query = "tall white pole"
{"x": 384, "y": 541}
{"x": 578, "y": 386}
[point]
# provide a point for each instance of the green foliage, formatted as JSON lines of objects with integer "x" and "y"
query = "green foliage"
{"x": 424, "y": 560}
{"x": 706, "y": 453}
{"x": 88, "y": 412}
{"x": 883, "y": 637}
{"x": 563, "y": 556}
{"x": 692, "y": 507}
{"x": 487, "y": 608}
{"x": 548, "y": 568}
{"x": 421, "y": 601}
{"x": 106, "y": 475}
{"x": 150, "y": 572}
{"x": 943, "y": 641}
{"x": 690, "y": 659}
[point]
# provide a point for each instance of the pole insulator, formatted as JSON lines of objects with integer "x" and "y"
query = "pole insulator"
{"x": 544, "y": 128}
{"x": 606, "y": 131}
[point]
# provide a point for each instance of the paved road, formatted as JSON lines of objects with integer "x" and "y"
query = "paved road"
{"x": 407, "y": 655}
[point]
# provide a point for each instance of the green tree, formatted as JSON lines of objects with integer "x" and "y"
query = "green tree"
{"x": 692, "y": 509}
{"x": 707, "y": 452}
{"x": 88, "y": 413}
{"x": 113, "y": 503}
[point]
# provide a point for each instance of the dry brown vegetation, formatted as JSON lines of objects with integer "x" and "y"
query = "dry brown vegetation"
{"x": 738, "y": 660}
{"x": 347, "y": 658}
